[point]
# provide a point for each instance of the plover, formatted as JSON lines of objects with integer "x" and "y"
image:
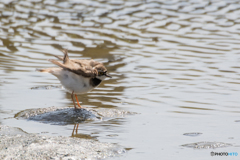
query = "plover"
{"x": 77, "y": 76}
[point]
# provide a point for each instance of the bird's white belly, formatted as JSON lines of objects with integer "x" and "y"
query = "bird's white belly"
{"x": 73, "y": 82}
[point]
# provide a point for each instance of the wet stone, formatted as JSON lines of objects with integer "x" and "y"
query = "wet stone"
{"x": 33, "y": 112}
{"x": 5, "y": 130}
{"x": 21, "y": 146}
{"x": 66, "y": 115}
{"x": 207, "y": 145}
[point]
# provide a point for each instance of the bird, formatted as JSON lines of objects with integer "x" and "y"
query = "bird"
{"x": 77, "y": 76}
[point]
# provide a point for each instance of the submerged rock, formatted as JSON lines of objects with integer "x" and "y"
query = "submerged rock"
{"x": 194, "y": 134}
{"x": 46, "y": 87}
{"x": 66, "y": 115}
{"x": 112, "y": 113}
{"x": 19, "y": 145}
{"x": 207, "y": 145}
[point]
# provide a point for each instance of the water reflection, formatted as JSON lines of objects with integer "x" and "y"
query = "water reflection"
{"x": 79, "y": 135}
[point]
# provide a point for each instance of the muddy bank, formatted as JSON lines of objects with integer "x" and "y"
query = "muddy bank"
{"x": 17, "y": 144}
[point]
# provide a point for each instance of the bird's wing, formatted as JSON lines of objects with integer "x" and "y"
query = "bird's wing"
{"x": 81, "y": 67}
{"x": 90, "y": 63}
{"x": 58, "y": 57}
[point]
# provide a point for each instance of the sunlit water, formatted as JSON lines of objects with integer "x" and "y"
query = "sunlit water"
{"x": 176, "y": 63}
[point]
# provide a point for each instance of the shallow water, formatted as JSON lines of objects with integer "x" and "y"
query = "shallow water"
{"x": 176, "y": 63}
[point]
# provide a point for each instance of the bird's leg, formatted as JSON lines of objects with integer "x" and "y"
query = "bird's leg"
{"x": 73, "y": 101}
{"x": 78, "y": 102}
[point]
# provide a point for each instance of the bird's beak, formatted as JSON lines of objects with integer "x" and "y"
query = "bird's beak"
{"x": 107, "y": 75}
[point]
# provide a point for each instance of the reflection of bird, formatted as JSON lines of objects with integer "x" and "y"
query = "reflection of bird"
{"x": 75, "y": 129}
{"x": 78, "y": 135}
{"x": 77, "y": 76}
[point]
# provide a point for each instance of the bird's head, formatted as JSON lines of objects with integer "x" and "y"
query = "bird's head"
{"x": 102, "y": 72}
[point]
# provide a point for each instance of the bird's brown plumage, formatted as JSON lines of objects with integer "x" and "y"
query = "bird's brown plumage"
{"x": 86, "y": 68}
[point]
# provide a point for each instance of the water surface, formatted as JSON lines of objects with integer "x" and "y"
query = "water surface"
{"x": 176, "y": 63}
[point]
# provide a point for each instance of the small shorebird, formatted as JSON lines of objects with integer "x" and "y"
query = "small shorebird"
{"x": 77, "y": 76}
